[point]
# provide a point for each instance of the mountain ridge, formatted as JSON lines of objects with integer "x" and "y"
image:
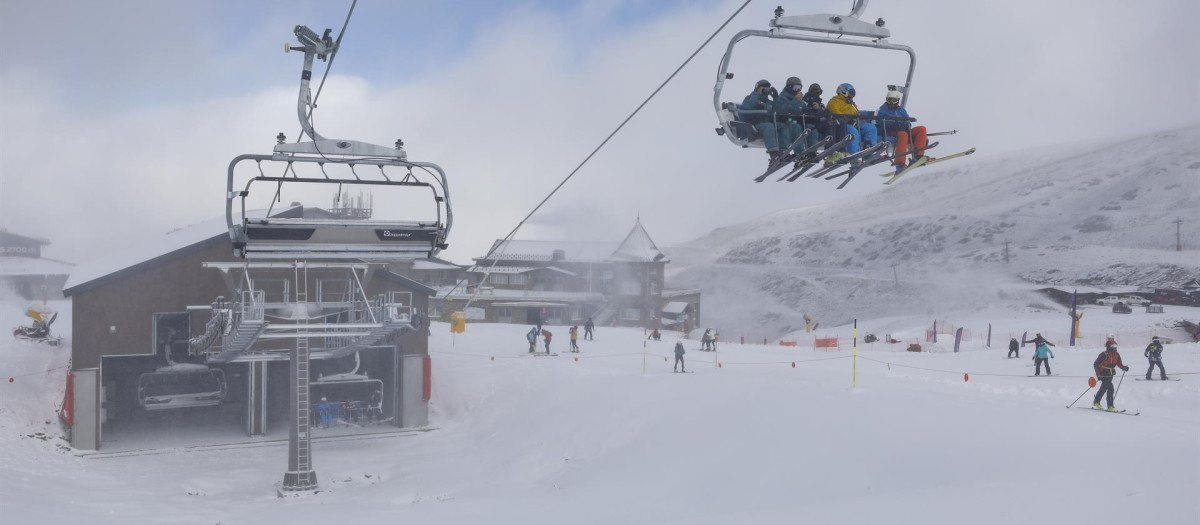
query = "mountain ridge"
{"x": 1098, "y": 215}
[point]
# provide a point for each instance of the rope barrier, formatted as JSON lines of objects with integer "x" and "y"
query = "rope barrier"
{"x": 48, "y": 370}
{"x": 793, "y": 363}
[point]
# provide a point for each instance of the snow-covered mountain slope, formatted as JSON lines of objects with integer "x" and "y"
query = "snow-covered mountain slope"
{"x": 1098, "y": 215}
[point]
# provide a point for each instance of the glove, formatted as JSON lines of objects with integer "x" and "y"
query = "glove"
{"x": 773, "y": 92}
{"x": 1125, "y": 368}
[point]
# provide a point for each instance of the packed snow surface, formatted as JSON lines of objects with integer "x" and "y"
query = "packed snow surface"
{"x": 616, "y": 437}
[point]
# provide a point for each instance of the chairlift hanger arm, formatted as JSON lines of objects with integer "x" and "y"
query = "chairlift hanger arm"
{"x": 312, "y": 46}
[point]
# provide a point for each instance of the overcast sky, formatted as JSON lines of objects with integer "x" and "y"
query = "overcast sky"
{"x": 120, "y": 117}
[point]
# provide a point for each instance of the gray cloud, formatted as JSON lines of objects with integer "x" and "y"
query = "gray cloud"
{"x": 529, "y": 98}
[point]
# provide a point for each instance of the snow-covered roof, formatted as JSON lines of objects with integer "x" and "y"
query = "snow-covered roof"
{"x": 516, "y": 269}
{"x": 638, "y": 247}
{"x": 153, "y": 247}
{"x": 426, "y": 264}
{"x": 22, "y": 266}
{"x": 572, "y": 251}
{"x": 37, "y": 240}
{"x": 495, "y": 294}
{"x": 674, "y": 308}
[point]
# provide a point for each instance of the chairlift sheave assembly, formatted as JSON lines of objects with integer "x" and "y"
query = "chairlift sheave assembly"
{"x": 846, "y": 30}
{"x": 334, "y": 162}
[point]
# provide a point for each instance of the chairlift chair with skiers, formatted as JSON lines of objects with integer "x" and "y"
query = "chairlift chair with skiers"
{"x": 334, "y": 162}
{"x": 846, "y": 30}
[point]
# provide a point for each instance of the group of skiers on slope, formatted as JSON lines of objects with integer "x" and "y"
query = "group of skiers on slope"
{"x": 796, "y": 109}
{"x": 1105, "y": 365}
{"x": 532, "y": 336}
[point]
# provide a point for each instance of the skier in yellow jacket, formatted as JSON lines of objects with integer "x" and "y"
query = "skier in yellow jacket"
{"x": 843, "y": 104}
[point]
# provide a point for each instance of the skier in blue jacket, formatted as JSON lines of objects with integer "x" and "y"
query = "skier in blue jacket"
{"x": 679, "y": 358}
{"x": 532, "y": 337}
{"x": 1042, "y": 355}
{"x": 762, "y": 99}
{"x": 789, "y": 105}
{"x": 901, "y": 132}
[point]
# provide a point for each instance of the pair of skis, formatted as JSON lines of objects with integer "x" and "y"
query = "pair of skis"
{"x": 879, "y": 160}
{"x": 924, "y": 161}
{"x": 788, "y": 158}
{"x": 1122, "y": 412}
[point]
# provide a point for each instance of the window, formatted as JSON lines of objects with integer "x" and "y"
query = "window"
{"x": 631, "y": 314}
{"x": 630, "y": 288}
{"x": 498, "y": 278}
{"x": 503, "y": 312}
{"x": 518, "y": 278}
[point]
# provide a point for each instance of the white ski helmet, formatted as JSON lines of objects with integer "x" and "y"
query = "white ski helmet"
{"x": 894, "y": 95}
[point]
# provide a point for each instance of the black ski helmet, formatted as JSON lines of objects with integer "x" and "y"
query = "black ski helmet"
{"x": 794, "y": 81}
{"x": 762, "y": 83}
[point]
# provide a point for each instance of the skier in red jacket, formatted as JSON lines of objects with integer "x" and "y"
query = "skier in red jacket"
{"x": 1106, "y": 366}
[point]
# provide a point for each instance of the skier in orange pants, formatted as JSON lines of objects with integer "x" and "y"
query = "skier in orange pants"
{"x": 902, "y": 131}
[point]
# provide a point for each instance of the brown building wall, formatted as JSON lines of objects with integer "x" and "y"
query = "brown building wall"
{"x": 128, "y": 302}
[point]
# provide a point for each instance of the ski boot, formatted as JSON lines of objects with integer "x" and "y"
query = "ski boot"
{"x": 1097, "y": 406}
{"x": 1112, "y": 409}
{"x": 833, "y": 159}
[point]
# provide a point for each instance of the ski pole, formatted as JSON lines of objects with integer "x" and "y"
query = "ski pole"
{"x": 1078, "y": 398}
{"x": 1119, "y": 384}
{"x": 951, "y": 132}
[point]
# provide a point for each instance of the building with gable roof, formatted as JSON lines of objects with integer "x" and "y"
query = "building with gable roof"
{"x": 567, "y": 282}
{"x": 136, "y": 312}
{"x": 25, "y": 273}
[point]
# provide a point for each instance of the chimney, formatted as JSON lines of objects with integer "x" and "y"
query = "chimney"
{"x": 558, "y": 255}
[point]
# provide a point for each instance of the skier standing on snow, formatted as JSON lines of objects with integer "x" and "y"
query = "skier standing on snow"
{"x": 1039, "y": 340}
{"x": 901, "y": 131}
{"x": 547, "y": 335}
{"x": 575, "y": 339}
{"x": 706, "y": 340}
{"x": 532, "y": 337}
{"x": 759, "y": 100}
{"x": 588, "y": 326}
{"x": 1154, "y": 354}
{"x": 1039, "y": 357}
{"x": 679, "y": 357}
{"x": 1014, "y": 348}
{"x": 1106, "y": 366}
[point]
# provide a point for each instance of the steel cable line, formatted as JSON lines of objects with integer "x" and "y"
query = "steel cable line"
{"x": 593, "y": 153}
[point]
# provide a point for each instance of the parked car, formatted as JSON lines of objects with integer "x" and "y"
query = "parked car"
{"x": 1133, "y": 300}
{"x": 1109, "y": 300}
{"x": 1122, "y": 308}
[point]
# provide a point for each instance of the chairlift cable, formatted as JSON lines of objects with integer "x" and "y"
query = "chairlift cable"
{"x": 597, "y": 150}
